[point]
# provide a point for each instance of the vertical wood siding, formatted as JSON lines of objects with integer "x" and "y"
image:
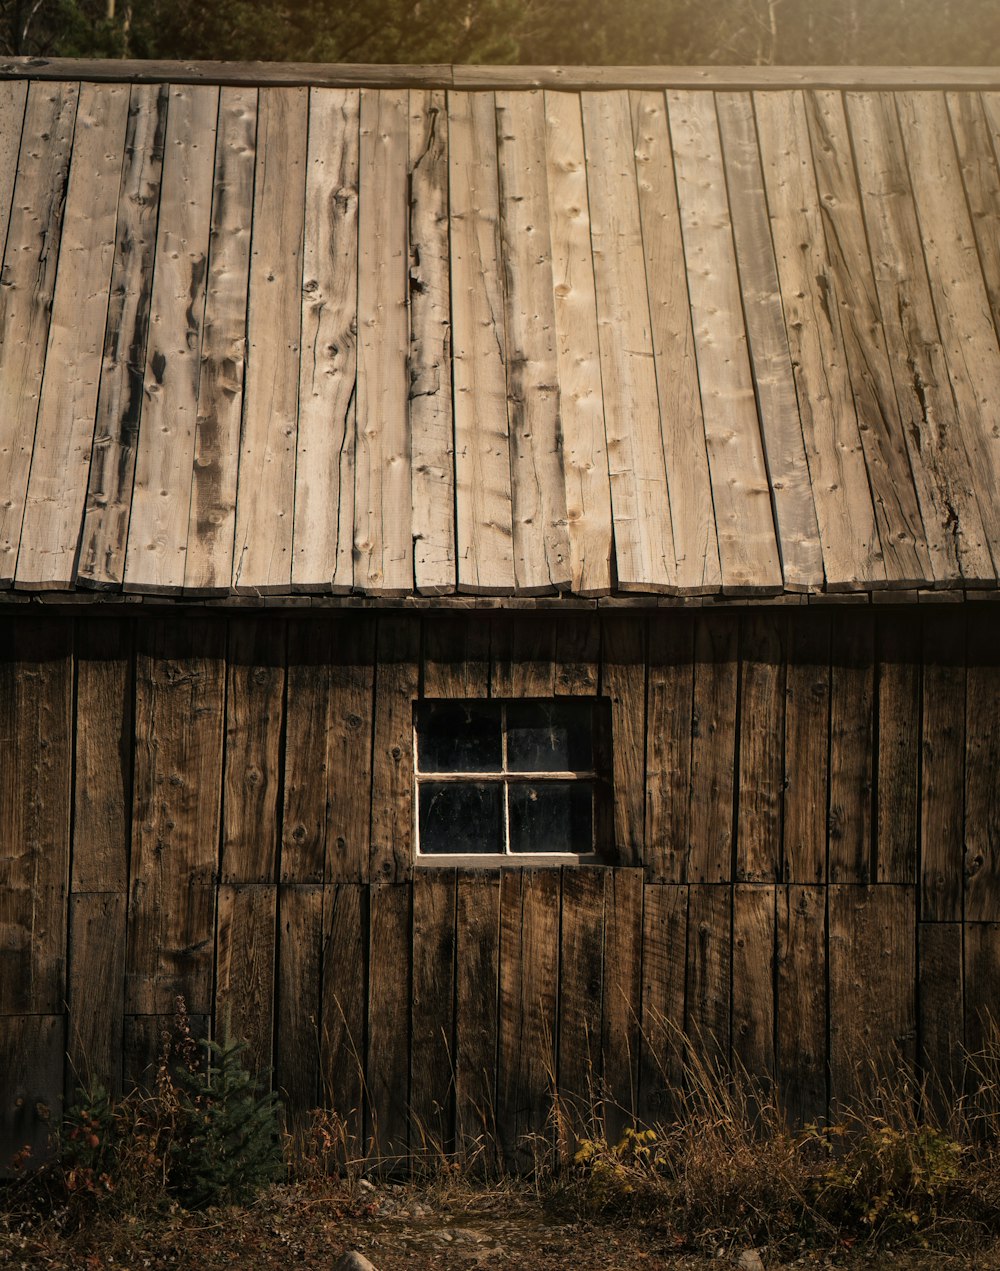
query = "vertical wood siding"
{"x": 804, "y": 862}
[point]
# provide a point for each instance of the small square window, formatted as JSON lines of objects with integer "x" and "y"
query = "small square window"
{"x": 522, "y": 781}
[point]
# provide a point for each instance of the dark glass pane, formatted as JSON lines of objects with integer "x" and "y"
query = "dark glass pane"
{"x": 458, "y": 737}
{"x": 460, "y": 816}
{"x": 549, "y": 737}
{"x": 552, "y": 816}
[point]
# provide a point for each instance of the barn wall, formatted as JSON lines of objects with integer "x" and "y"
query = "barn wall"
{"x": 807, "y": 858}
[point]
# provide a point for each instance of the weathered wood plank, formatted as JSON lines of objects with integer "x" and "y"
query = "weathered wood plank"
{"x": 981, "y": 964}
{"x": 754, "y": 947}
{"x": 344, "y": 1007}
{"x": 95, "y": 991}
{"x": 770, "y": 359}
{"x": 623, "y": 679}
{"x": 262, "y": 555}
{"x": 145, "y": 1037}
{"x": 432, "y": 1045}
{"x": 323, "y": 531}
{"x": 383, "y": 534}
{"x": 477, "y": 950}
{"x": 119, "y": 401}
{"x": 940, "y": 1002}
{"x": 851, "y": 548}
{"x": 802, "y": 1003}
{"x": 741, "y": 493}
{"x": 208, "y": 565}
{"x": 713, "y": 748}
{"x": 952, "y": 514}
{"x": 807, "y": 733}
{"x": 664, "y": 962}
{"x": 682, "y": 421}
{"x": 349, "y": 749}
{"x": 306, "y": 772}
{"x": 620, "y": 1031}
{"x": 581, "y": 986}
{"x": 645, "y": 557}
{"x": 897, "y": 774}
{"x": 975, "y": 126}
{"x": 244, "y": 968}
{"x": 669, "y": 701}
{"x": 872, "y": 973}
{"x": 398, "y": 654}
{"x": 102, "y": 787}
{"x": 64, "y": 431}
{"x": 389, "y": 1039}
{"x": 482, "y": 451}
{"x": 761, "y": 747}
{"x": 581, "y": 396}
{"x": 538, "y": 511}
{"x": 942, "y": 780}
{"x": 578, "y": 654}
{"x": 179, "y": 716}
{"x": 523, "y": 655}
{"x": 254, "y": 726}
{"x": 887, "y": 454}
{"x": 31, "y": 1059}
{"x": 298, "y": 1013}
{"x": 13, "y": 98}
{"x": 432, "y": 473}
{"x": 982, "y": 765}
{"x": 36, "y": 704}
{"x": 29, "y": 276}
{"x": 161, "y": 495}
{"x": 852, "y": 741}
{"x": 709, "y": 955}
{"x": 456, "y": 656}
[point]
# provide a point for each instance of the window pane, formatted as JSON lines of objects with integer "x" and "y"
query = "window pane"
{"x": 552, "y": 816}
{"x": 458, "y": 737}
{"x": 460, "y": 816}
{"x": 549, "y": 736}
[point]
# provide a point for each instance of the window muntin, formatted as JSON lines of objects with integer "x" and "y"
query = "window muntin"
{"x": 509, "y": 780}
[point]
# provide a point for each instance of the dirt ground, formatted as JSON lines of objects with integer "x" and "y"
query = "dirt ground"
{"x": 410, "y": 1228}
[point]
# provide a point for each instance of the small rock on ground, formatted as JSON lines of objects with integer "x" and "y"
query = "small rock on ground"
{"x": 353, "y": 1261}
{"x": 750, "y": 1261}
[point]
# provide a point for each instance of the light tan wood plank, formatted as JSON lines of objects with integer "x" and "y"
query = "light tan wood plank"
{"x": 541, "y": 543}
{"x": 119, "y": 403}
{"x": 975, "y": 125}
{"x": 968, "y": 336}
{"x": 581, "y": 397}
{"x": 161, "y": 497}
{"x": 432, "y": 473}
{"x": 212, "y": 519}
{"x": 851, "y": 549}
{"x": 644, "y": 546}
{"x": 13, "y": 97}
{"x": 262, "y": 560}
{"x": 323, "y": 538}
{"x": 681, "y": 417}
{"x": 482, "y": 453}
{"x": 771, "y": 362}
{"x": 29, "y": 272}
{"x": 64, "y": 432}
{"x": 945, "y": 486}
{"x": 383, "y": 536}
{"x": 741, "y": 495}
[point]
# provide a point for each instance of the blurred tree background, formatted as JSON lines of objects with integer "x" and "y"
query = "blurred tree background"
{"x": 518, "y": 31}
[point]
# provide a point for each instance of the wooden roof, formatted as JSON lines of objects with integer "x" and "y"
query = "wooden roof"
{"x": 674, "y": 332}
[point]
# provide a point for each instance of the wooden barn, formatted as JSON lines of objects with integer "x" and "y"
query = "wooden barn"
{"x": 500, "y": 565}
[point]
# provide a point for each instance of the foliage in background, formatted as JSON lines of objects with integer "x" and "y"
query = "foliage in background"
{"x": 778, "y": 32}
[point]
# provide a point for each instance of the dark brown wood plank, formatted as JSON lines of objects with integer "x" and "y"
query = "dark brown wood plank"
{"x": 31, "y": 1060}
{"x": 349, "y": 749}
{"x": 254, "y": 719}
{"x": 664, "y": 961}
{"x": 713, "y": 747}
{"x": 578, "y": 654}
{"x": 581, "y": 983}
{"x": 392, "y": 761}
{"x": 432, "y": 1047}
{"x": 344, "y": 1007}
{"x": 982, "y": 971}
{"x": 807, "y": 730}
{"x": 709, "y": 958}
{"x": 456, "y": 656}
{"x": 898, "y": 759}
{"x": 982, "y": 766}
{"x": 754, "y": 918}
{"x": 306, "y": 776}
{"x": 389, "y": 993}
{"x": 523, "y": 655}
{"x": 620, "y": 1035}
{"x": 761, "y": 746}
{"x": 940, "y": 999}
{"x": 96, "y": 990}
{"x": 802, "y": 1003}
{"x": 942, "y": 766}
{"x": 852, "y": 690}
{"x": 145, "y": 1036}
{"x": 669, "y": 702}
{"x": 297, "y": 1014}
{"x": 179, "y": 717}
{"x": 477, "y": 948}
{"x": 873, "y": 1023}
{"x": 245, "y": 951}
{"x": 623, "y": 679}
{"x": 102, "y": 790}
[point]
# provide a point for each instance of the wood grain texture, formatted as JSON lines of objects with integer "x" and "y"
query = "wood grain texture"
{"x": 981, "y": 965}
{"x": 982, "y": 762}
{"x": 578, "y": 640}
{"x": 456, "y": 656}
{"x": 754, "y": 936}
{"x": 523, "y": 656}
{"x": 975, "y": 123}
{"x": 383, "y": 534}
{"x": 852, "y": 746}
{"x": 389, "y": 996}
{"x": 669, "y": 706}
{"x": 897, "y": 774}
{"x": 31, "y": 1059}
{"x": 432, "y": 1044}
{"x": 623, "y": 679}
{"x": 802, "y": 1002}
{"x": 104, "y": 535}
{"x": 620, "y": 1034}
{"x": 262, "y": 555}
{"x": 581, "y": 395}
{"x": 432, "y": 439}
{"x": 95, "y": 989}
{"x": 807, "y": 724}
{"x": 581, "y": 988}
{"x": 770, "y": 359}
{"x": 943, "y": 748}
{"x": 761, "y": 747}
{"x": 298, "y": 1016}
{"x": 245, "y": 955}
{"x": 306, "y": 778}
{"x": 477, "y": 958}
{"x": 344, "y": 1007}
{"x": 13, "y": 98}
{"x": 940, "y": 1002}
{"x": 29, "y": 275}
{"x": 713, "y": 749}
{"x": 398, "y": 654}
{"x": 664, "y": 960}
{"x": 741, "y": 494}
{"x": 349, "y": 749}
{"x": 708, "y": 998}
